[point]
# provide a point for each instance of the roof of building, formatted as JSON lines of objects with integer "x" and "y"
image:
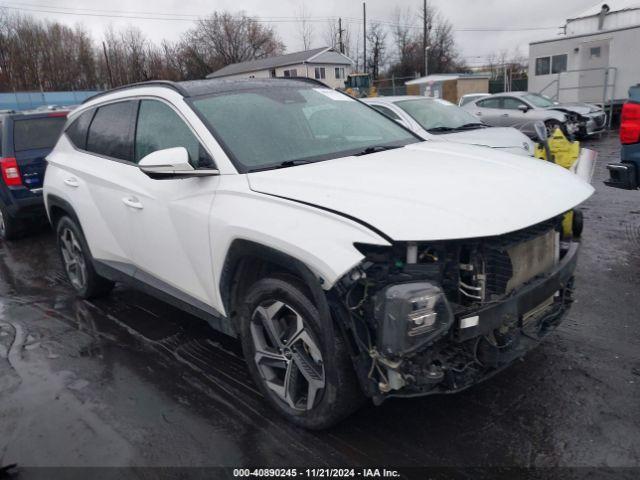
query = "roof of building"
{"x": 443, "y": 77}
{"x": 306, "y": 56}
{"x": 614, "y": 6}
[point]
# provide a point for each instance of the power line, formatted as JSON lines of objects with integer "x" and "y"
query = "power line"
{"x": 176, "y": 17}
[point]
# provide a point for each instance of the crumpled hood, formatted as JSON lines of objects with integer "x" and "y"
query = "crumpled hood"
{"x": 579, "y": 108}
{"x": 494, "y": 137}
{"x": 432, "y": 190}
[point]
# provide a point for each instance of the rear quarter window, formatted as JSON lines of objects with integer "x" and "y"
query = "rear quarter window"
{"x": 36, "y": 133}
{"x": 77, "y": 131}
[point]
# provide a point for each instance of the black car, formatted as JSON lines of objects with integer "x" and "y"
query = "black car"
{"x": 26, "y": 138}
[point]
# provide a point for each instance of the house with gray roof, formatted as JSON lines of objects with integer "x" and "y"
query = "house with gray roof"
{"x": 325, "y": 64}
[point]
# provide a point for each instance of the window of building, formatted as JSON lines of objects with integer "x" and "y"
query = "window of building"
{"x": 272, "y": 73}
{"x": 543, "y": 65}
{"x": 320, "y": 73}
{"x": 594, "y": 52}
{"x": 559, "y": 63}
{"x": 291, "y": 73}
{"x": 339, "y": 73}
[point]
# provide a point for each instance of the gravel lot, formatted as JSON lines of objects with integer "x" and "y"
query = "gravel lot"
{"x": 129, "y": 380}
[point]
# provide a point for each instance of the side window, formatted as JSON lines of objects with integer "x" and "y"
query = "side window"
{"x": 387, "y": 111}
{"x": 111, "y": 132}
{"x": 489, "y": 103}
{"x": 160, "y": 127}
{"x": 77, "y": 131}
{"x": 510, "y": 103}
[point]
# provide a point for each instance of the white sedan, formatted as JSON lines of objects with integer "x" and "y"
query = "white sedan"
{"x": 437, "y": 119}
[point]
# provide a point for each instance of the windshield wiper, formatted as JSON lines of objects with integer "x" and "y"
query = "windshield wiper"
{"x": 375, "y": 149}
{"x": 471, "y": 125}
{"x": 285, "y": 164}
{"x": 440, "y": 129}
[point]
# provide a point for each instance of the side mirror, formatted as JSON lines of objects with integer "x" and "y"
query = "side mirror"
{"x": 523, "y": 108}
{"x": 541, "y": 131}
{"x": 171, "y": 162}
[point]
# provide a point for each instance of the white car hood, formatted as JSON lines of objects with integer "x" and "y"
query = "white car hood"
{"x": 494, "y": 137}
{"x": 432, "y": 190}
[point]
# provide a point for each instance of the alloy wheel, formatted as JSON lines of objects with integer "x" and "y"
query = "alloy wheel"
{"x": 287, "y": 355}
{"x": 73, "y": 258}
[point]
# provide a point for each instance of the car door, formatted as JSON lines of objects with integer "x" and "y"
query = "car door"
{"x": 488, "y": 110}
{"x": 512, "y": 116}
{"x": 170, "y": 216}
{"x": 99, "y": 175}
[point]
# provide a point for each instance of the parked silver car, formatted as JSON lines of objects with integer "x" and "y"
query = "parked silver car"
{"x": 522, "y": 109}
{"x": 433, "y": 118}
{"x": 470, "y": 97}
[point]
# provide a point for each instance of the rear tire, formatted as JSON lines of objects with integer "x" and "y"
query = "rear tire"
{"x": 10, "y": 228}
{"x": 78, "y": 262}
{"x": 287, "y": 355}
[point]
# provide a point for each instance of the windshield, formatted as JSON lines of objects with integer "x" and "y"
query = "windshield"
{"x": 438, "y": 115}
{"x": 537, "y": 100}
{"x": 275, "y": 125}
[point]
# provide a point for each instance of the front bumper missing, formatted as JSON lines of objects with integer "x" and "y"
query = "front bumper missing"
{"x": 490, "y": 339}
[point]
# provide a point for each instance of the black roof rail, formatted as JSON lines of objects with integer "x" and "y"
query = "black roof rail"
{"x": 306, "y": 79}
{"x": 150, "y": 83}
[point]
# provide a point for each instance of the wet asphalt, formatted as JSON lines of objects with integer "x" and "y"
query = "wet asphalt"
{"x": 128, "y": 380}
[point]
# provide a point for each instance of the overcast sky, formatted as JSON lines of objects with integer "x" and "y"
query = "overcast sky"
{"x": 463, "y": 14}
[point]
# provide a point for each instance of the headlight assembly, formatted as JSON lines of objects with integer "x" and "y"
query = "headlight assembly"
{"x": 409, "y": 316}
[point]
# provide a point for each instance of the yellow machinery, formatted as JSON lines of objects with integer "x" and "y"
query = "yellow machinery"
{"x": 564, "y": 153}
{"x": 360, "y": 85}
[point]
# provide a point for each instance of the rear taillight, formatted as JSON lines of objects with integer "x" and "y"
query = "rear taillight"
{"x": 10, "y": 172}
{"x": 630, "y": 123}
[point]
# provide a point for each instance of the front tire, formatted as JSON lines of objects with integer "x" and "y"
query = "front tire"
{"x": 286, "y": 351}
{"x": 78, "y": 262}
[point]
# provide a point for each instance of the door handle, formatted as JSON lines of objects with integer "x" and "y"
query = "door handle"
{"x": 505, "y": 114}
{"x": 478, "y": 113}
{"x": 132, "y": 202}
{"x": 72, "y": 182}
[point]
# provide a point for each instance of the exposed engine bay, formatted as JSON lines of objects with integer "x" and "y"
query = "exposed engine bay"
{"x": 439, "y": 317}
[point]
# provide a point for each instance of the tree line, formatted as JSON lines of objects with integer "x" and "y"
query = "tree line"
{"x": 49, "y": 55}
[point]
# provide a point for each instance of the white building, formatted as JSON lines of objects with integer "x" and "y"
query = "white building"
{"x": 325, "y": 64}
{"x": 596, "y": 60}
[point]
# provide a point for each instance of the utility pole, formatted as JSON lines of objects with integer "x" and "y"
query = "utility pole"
{"x": 340, "y": 44}
{"x": 364, "y": 35}
{"x": 425, "y": 37}
{"x": 106, "y": 59}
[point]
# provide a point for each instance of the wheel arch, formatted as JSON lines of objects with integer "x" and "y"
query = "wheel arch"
{"x": 57, "y": 208}
{"x": 247, "y": 261}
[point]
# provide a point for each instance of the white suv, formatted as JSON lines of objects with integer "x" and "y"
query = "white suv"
{"x": 350, "y": 258}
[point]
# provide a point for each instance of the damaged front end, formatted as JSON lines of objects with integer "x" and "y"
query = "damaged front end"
{"x": 438, "y": 317}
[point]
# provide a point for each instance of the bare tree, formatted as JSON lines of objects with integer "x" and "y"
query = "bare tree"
{"x": 224, "y": 38}
{"x": 376, "y": 38}
{"x": 332, "y": 36}
{"x": 306, "y": 29}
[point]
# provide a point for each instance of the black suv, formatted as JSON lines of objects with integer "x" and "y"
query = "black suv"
{"x": 26, "y": 138}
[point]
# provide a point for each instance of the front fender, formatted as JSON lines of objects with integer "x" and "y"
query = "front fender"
{"x": 321, "y": 241}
